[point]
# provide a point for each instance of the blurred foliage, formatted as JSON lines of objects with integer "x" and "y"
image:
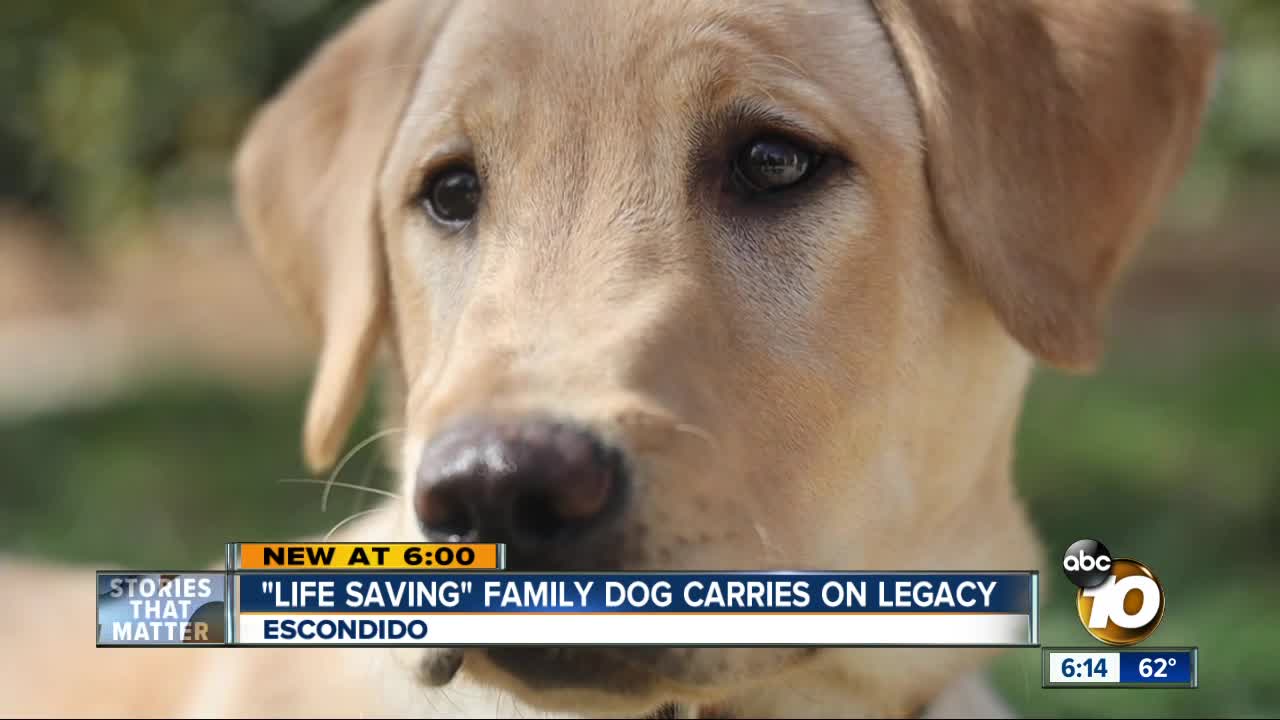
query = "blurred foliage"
{"x": 1242, "y": 130}
{"x": 1241, "y": 138}
{"x": 114, "y": 107}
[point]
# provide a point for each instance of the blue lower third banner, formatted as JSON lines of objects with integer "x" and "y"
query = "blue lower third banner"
{"x": 681, "y": 609}
{"x": 162, "y": 608}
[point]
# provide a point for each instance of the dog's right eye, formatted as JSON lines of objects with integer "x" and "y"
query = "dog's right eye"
{"x": 771, "y": 164}
{"x": 452, "y": 196}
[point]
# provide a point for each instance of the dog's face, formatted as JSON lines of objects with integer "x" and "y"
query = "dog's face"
{"x": 701, "y": 285}
{"x": 677, "y": 243}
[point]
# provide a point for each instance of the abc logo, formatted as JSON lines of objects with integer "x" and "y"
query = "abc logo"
{"x": 1087, "y": 563}
{"x": 1120, "y": 601}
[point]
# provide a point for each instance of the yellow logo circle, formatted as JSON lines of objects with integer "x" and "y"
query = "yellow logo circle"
{"x": 1126, "y": 608}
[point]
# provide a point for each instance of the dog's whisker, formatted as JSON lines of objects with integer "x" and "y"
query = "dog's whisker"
{"x": 358, "y": 500}
{"x": 335, "y": 483}
{"x": 517, "y": 709}
{"x": 766, "y": 542}
{"x": 333, "y": 476}
{"x": 701, "y": 433}
{"x": 447, "y": 696}
{"x": 374, "y": 463}
{"x": 349, "y": 518}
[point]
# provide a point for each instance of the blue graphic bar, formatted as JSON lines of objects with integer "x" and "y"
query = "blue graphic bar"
{"x": 767, "y": 592}
{"x": 1157, "y": 667}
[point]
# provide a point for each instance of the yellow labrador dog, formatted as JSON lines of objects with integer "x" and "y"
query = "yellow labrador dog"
{"x": 683, "y": 284}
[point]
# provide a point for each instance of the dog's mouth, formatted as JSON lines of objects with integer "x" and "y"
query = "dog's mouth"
{"x": 637, "y": 682}
{"x": 620, "y": 671}
{"x": 640, "y": 678}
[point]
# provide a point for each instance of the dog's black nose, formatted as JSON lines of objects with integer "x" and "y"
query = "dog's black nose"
{"x": 549, "y": 490}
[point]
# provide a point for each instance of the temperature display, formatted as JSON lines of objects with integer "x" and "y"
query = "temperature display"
{"x": 1119, "y": 667}
{"x": 1154, "y": 666}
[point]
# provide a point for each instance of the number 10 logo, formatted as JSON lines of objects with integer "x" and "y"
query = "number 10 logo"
{"x": 1126, "y": 608}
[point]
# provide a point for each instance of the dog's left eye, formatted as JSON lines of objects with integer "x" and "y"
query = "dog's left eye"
{"x": 771, "y": 164}
{"x": 452, "y": 196}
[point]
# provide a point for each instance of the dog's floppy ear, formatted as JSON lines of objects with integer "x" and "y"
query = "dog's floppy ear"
{"x": 305, "y": 179}
{"x": 1053, "y": 132}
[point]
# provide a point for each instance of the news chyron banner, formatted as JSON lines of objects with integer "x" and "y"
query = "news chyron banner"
{"x": 455, "y": 595}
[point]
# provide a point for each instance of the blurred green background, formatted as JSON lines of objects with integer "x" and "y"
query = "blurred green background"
{"x": 115, "y": 131}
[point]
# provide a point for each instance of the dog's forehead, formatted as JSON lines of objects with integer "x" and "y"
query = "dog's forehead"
{"x": 500, "y": 64}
